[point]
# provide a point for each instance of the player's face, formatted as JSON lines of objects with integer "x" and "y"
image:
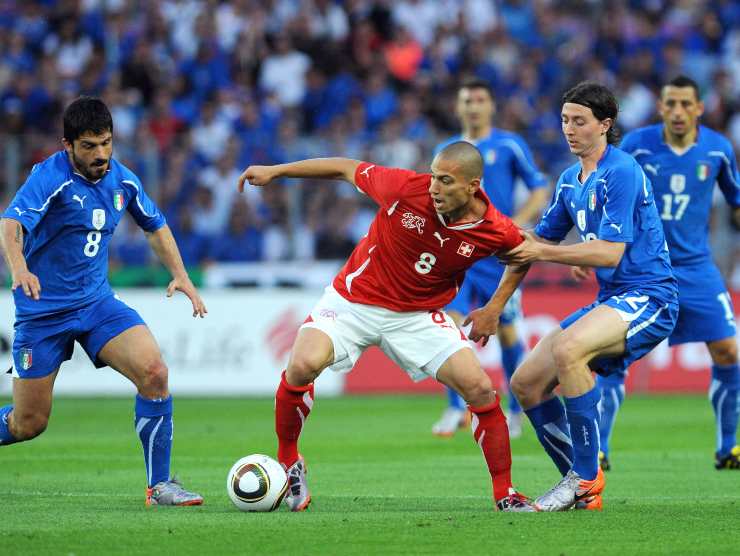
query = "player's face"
{"x": 680, "y": 109}
{"x": 90, "y": 154}
{"x": 475, "y": 107}
{"x": 449, "y": 188}
{"x": 584, "y": 132}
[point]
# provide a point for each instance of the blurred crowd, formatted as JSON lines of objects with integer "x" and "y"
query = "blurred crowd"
{"x": 200, "y": 89}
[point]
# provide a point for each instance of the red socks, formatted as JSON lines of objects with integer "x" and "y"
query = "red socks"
{"x": 492, "y": 435}
{"x": 292, "y": 406}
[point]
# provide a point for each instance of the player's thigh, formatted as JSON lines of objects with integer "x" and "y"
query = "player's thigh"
{"x": 601, "y": 332}
{"x": 313, "y": 351}
{"x": 32, "y": 398}
{"x": 135, "y": 354}
{"x": 463, "y": 373}
{"x": 536, "y": 376}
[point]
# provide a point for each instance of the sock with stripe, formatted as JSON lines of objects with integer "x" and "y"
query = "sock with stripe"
{"x": 723, "y": 394}
{"x": 510, "y": 358}
{"x": 551, "y": 427}
{"x": 153, "y": 421}
{"x": 612, "y": 396}
{"x": 5, "y": 435}
{"x": 583, "y": 418}
{"x": 454, "y": 399}
{"x": 492, "y": 435}
{"x": 292, "y": 407}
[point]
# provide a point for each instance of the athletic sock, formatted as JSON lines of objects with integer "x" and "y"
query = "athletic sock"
{"x": 510, "y": 358}
{"x": 583, "y": 419}
{"x": 492, "y": 435}
{"x": 153, "y": 421}
{"x": 723, "y": 394}
{"x": 612, "y": 397}
{"x": 292, "y": 406}
{"x": 5, "y": 435}
{"x": 551, "y": 427}
{"x": 455, "y": 400}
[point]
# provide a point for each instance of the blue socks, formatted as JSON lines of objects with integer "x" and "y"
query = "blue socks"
{"x": 455, "y": 400}
{"x": 153, "y": 423}
{"x": 551, "y": 427}
{"x": 510, "y": 358}
{"x": 612, "y": 396}
{"x": 723, "y": 394}
{"x": 583, "y": 418}
{"x": 5, "y": 436}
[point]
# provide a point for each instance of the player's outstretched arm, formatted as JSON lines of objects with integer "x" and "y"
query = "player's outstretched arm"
{"x": 11, "y": 239}
{"x": 595, "y": 253}
{"x": 163, "y": 244}
{"x": 322, "y": 168}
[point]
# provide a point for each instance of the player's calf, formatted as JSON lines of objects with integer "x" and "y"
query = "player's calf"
{"x": 25, "y": 426}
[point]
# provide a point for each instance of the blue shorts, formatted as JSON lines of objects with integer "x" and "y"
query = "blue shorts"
{"x": 705, "y": 311}
{"x": 41, "y": 345}
{"x": 476, "y": 291}
{"x": 650, "y": 320}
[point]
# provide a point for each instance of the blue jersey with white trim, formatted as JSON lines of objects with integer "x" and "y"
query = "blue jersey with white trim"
{"x": 68, "y": 224}
{"x": 614, "y": 204}
{"x": 506, "y": 158}
{"x": 684, "y": 185}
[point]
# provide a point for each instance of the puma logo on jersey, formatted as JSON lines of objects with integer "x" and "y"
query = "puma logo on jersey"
{"x": 366, "y": 171}
{"x": 617, "y": 227}
{"x": 81, "y": 201}
{"x": 411, "y": 221}
{"x": 652, "y": 169}
{"x": 441, "y": 239}
{"x": 19, "y": 211}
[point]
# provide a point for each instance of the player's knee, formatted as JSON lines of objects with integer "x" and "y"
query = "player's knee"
{"x": 525, "y": 390}
{"x": 566, "y": 353}
{"x": 26, "y": 427}
{"x": 724, "y": 352}
{"x": 476, "y": 390}
{"x": 153, "y": 382}
{"x": 303, "y": 369}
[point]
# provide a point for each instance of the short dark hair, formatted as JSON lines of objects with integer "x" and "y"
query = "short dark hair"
{"x": 475, "y": 83}
{"x": 600, "y": 100}
{"x": 86, "y": 114}
{"x": 683, "y": 81}
{"x": 467, "y": 155}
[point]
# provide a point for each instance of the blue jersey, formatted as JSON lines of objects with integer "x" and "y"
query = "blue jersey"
{"x": 684, "y": 185}
{"x": 68, "y": 223}
{"x": 506, "y": 157}
{"x": 614, "y": 204}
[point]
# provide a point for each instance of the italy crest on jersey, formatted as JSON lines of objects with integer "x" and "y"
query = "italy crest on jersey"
{"x": 98, "y": 219}
{"x": 702, "y": 171}
{"x": 26, "y": 358}
{"x": 118, "y": 199}
{"x": 592, "y": 200}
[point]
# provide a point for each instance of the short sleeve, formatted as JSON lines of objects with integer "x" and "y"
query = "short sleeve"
{"x": 556, "y": 221}
{"x": 381, "y": 184}
{"x": 621, "y": 190}
{"x": 629, "y": 143}
{"x": 33, "y": 199}
{"x": 525, "y": 166}
{"x": 727, "y": 177}
{"x": 142, "y": 208}
{"x": 511, "y": 235}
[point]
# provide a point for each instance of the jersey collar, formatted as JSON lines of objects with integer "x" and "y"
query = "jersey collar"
{"x": 74, "y": 172}
{"x": 488, "y": 216}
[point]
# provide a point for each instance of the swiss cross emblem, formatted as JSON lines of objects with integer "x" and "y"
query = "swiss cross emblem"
{"x": 465, "y": 249}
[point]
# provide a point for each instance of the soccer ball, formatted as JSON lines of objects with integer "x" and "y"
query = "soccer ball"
{"x": 257, "y": 483}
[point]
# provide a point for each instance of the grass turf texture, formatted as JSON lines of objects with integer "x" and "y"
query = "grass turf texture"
{"x": 382, "y": 484}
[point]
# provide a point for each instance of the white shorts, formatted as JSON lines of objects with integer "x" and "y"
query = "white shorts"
{"x": 419, "y": 342}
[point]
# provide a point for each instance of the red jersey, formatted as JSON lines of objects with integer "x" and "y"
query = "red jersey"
{"x": 411, "y": 260}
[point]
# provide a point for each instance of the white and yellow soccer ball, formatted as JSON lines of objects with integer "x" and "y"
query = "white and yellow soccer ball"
{"x": 257, "y": 483}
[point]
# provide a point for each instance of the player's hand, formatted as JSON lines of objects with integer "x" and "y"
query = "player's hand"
{"x": 186, "y": 286}
{"x": 485, "y": 324}
{"x": 528, "y": 251}
{"x": 29, "y": 282}
{"x": 256, "y": 175}
{"x": 580, "y": 273}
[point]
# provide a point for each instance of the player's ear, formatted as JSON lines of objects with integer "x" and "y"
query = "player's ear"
{"x": 475, "y": 185}
{"x": 66, "y": 144}
{"x": 700, "y": 108}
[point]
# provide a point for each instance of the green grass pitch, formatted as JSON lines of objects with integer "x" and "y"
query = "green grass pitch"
{"x": 381, "y": 483}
